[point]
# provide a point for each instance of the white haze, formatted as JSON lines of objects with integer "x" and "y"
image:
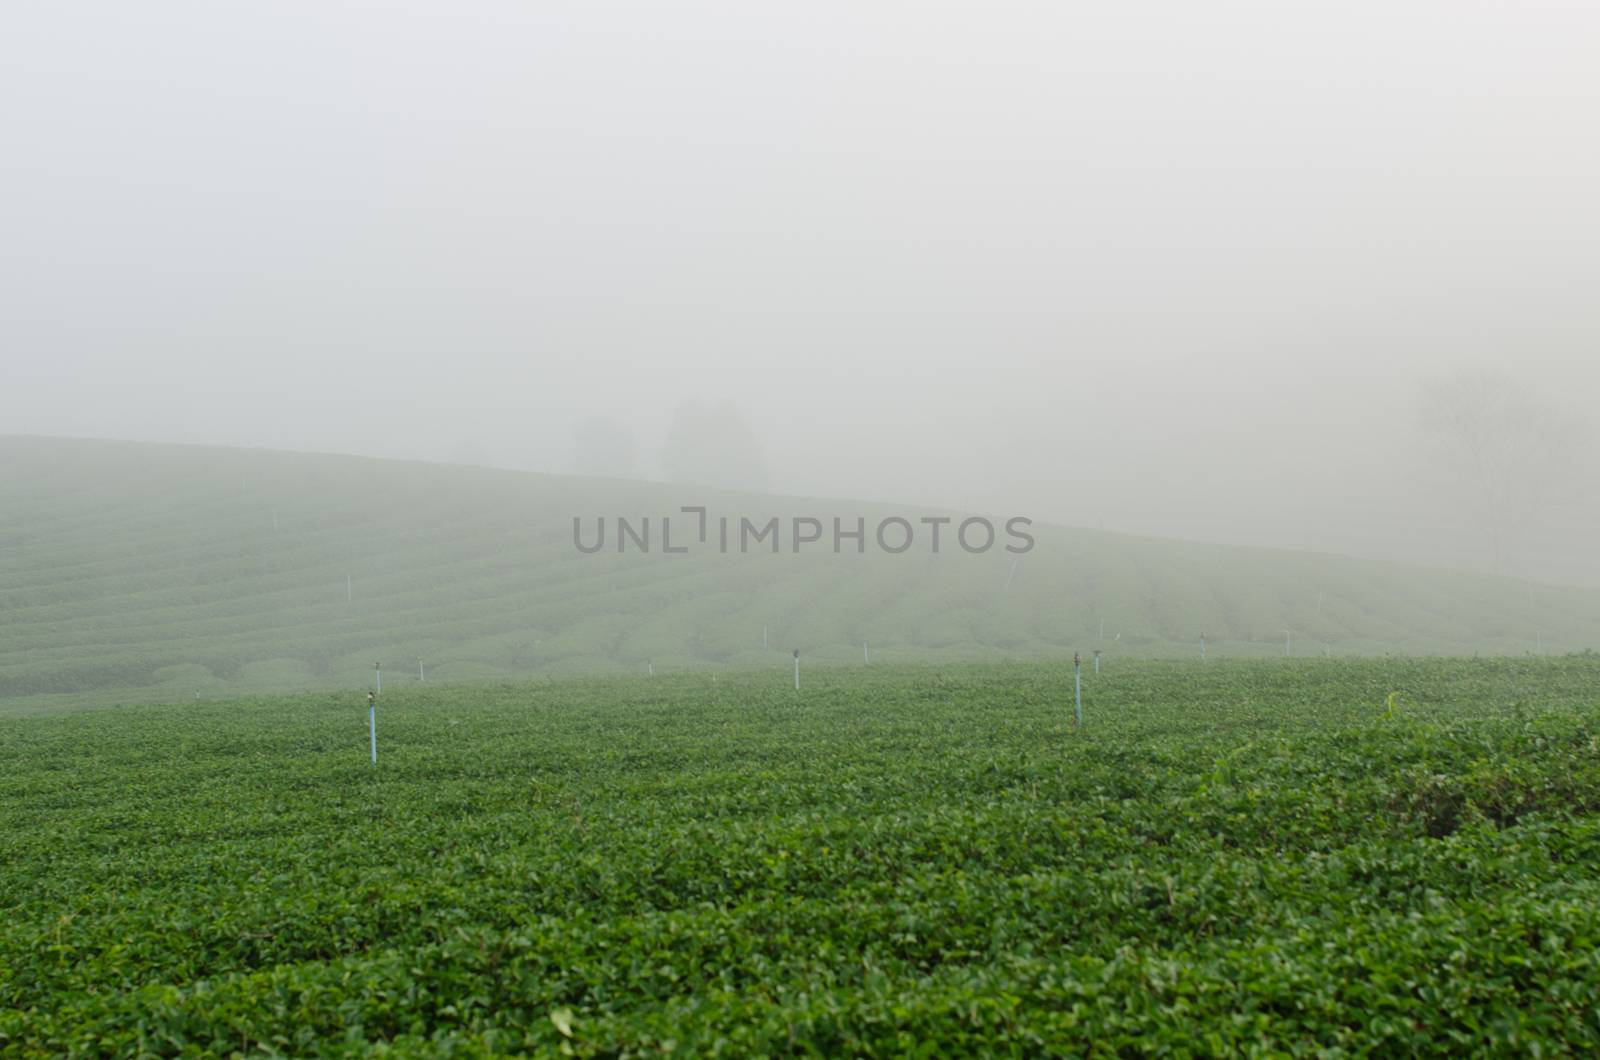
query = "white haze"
{"x": 1165, "y": 267}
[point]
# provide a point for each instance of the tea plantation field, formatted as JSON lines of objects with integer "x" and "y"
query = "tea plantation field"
{"x": 135, "y": 572}
{"x": 1309, "y": 857}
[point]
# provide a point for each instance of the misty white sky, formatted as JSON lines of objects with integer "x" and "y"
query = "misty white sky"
{"x": 1172, "y": 267}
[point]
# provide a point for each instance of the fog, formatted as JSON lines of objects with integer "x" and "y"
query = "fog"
{"x": 1168, "y": 268}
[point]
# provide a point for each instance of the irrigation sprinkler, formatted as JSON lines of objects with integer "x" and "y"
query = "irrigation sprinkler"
{"x": 1077, "y": 687}
{"x": 797, "y": 669}
{"x": 372, "y": 724}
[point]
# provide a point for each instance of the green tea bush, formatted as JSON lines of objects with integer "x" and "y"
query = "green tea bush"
{"x": 1326, "y": 858}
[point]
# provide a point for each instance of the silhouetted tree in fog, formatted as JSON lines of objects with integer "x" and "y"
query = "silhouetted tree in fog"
{"x": 470, "y": 452}
{"x": 712, "y": 445}
{"x": 602, "y": 446}
{"x": 1508, "y": 450}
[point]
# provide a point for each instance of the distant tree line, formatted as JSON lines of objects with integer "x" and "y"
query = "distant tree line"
{"x": 708, "y": 444}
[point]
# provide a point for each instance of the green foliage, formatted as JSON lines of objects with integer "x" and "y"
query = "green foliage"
{"x": 1231, "y": 857}
{"x": 142, "y": 572}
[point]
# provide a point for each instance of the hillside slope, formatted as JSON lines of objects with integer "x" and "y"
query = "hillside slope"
{"x": 135, "y": 571}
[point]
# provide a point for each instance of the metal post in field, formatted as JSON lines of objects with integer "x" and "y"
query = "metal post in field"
{"x": 866, "y": 659}
{"x": 650, "y": 667}
{"x": 372, "y": 724}
{"x": 377, "y": 676}
{"x": 422, "y": 675}
{"x": 1077, "y": 683}
{"x": 1097, "y": 660}
{"x": 797, "y": 669}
